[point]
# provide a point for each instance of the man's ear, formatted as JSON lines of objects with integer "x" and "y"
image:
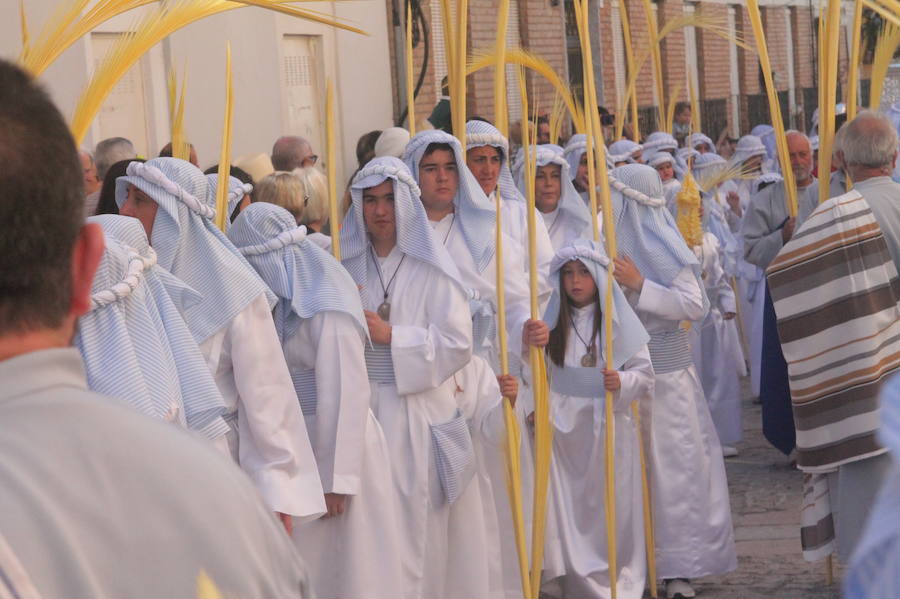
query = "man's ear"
{"x": 85, "y": 259}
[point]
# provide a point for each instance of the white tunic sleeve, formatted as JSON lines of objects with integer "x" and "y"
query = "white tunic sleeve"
{"x": 342, "y": 387}
{"x": 274, "y": 448}
{"x": 426, "y": 356}
{"x": 682, "y": 300}
{"x": 517, "y": 292}
{"x": 636, "y": 376}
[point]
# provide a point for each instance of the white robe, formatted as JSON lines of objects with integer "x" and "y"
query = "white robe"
{"x": 691, "y": 506}
{"x": 431, "y": 340}
{"x": 515, "y": 225}
{"x": 716, "y": 347}
{"x": 353, "y": 554}
{"x": 578, "y": 479}
{"x": 484, "y": 284}
{"x": 269, "y": 439}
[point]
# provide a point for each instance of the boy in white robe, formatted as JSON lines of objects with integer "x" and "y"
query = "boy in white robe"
{"x": 421, "y": 333}
{"x": 691, "y": 506}
{"x": 351, "y": 552}
{"x": 577, "y": 402}
{"x": 233, "y": 326}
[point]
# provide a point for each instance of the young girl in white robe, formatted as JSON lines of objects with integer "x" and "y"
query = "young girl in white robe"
{"x": 661, "y": 275}
{"x": 578, "y": 380}
{"x": 351, "y": 551}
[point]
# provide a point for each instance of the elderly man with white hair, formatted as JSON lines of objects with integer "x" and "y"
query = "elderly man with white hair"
{"x": 836, "y": 293}
{"x": 767, "y": 225}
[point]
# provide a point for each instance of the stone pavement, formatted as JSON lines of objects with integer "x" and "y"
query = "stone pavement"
{"x": 765, "y": 503}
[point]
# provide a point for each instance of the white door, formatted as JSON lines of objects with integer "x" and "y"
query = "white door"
{"x": 124, "y": 113}
{"x": 302, "y": 73}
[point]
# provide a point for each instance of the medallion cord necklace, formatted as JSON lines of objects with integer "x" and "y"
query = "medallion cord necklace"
{"x": 589, "y": 359}
{"x": 384, "y": 310}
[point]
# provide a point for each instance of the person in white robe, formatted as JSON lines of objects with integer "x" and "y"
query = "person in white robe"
{"x": 749, "y": 154}
{"x": 562, "y": 211}
{"x": 661, "y": 277}
{"x": 233, "y": 325}
{"x": 626, "y": 151}
{"x": 664, "y": 163}
{"x": 702, "y": 143}
{"x": 579, "y": 419}
{"x": 487, "y": 157}
{"x": 464, "y": 223}
{"x": 575, "y": 154}
{"x": 351, "y": 552}
{"x": 417, "y": 313}
{"x": 715, "y": 345}
{"x": 96, "y": 499}
{"x": 662, "y": 141}
{"x": 136, "y": 346}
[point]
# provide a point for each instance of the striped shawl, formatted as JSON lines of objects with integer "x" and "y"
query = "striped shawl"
{"x": 835, "y": 291}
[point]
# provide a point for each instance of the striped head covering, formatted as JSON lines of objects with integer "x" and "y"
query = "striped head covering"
{"x": 697, "y": 139}
{"x": 129, "y": 232}
{"x": 624, "y": 150}
{"x": 645, "y": 230}
{"x": 659, "y": 158}
{"x": 766, "y": 135}
{"x": 478, "y": 134}
{"x": 136, "y": 346}
{"x": 237, "y": 189}
{"x": 306, "y": 278}
{"x": 629, "y": 334}
{"x": 747, "y": 147}
{"x": 474, "y": 212}
{"x": 574, "y": 150}
{"x": 190, "y": 246}
{"x": 573, "y": 213}
{"x": 659, "y": 141}
{"x": 414, "y": 234}
{"x": 706, "y": 165}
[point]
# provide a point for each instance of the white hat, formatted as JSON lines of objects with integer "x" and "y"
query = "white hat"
{"x": 392, "y": 142}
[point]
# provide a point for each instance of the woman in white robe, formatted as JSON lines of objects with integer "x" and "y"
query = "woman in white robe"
{"x": 713, "y": 348}
{"x": 351, "y": 552}
{"x": 421, "y": 333}
{"x": 579, "y": 419}
{"x": 691, "y": 506}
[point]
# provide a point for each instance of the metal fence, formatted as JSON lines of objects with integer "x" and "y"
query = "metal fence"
{"x": 758, "y": 109}
{"x": 648, "y": 118}
{"x": 714, "y": 117}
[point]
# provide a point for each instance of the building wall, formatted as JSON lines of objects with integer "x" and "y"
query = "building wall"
{"x": 362, "y": 87}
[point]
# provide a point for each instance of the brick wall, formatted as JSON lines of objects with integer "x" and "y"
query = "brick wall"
{"x": 542, "y": 30}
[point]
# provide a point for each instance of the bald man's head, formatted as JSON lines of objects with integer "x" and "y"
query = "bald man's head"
{"x": 801, "y": 156}
{"x": 290, "y": 152}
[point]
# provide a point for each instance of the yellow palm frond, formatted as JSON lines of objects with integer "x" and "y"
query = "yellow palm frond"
{"x": 886, "y": 45}
{"x": 670, "y": 111}
{"x": 225, "y": 152}
{"x": 488, "y": 58}
{"x": 71, "y": 23}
